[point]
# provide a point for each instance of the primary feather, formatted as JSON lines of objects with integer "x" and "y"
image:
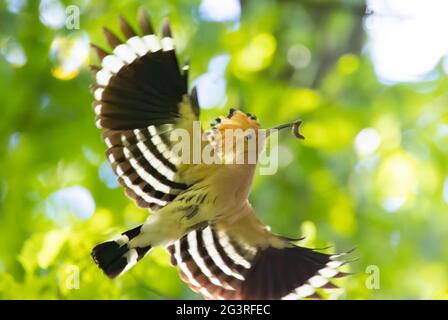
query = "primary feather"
{"x": 200, "y": 211}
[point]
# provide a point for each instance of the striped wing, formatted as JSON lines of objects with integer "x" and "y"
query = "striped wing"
{"x": 140, "y": 97}
{"x": 238, "y": 261}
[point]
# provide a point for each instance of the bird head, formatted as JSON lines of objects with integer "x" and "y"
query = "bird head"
{"x": 235, "y": 135}
{"x": 239, "y": 136}
{"x": 236, "y": 122}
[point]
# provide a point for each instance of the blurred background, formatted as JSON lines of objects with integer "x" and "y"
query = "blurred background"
{"x": 368, "y": 79}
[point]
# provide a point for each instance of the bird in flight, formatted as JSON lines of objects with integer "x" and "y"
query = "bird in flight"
{"x": 199, "y": 209}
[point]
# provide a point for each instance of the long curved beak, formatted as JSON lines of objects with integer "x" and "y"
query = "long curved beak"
{"x": 295, "y": 127}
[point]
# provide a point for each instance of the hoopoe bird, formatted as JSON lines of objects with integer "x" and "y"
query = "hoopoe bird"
{"x": 199, "y": 211}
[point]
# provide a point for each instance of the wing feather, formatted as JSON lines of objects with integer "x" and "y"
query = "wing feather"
{"x": 139, "y": 91}
{"x": 249, "y": 262}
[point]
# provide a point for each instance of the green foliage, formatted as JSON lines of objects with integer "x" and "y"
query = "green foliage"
{"x": 388, "y": 203}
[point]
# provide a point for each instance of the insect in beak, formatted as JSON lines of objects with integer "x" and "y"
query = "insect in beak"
{"x": 295, "y": 126}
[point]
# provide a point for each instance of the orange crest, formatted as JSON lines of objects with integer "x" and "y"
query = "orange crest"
{"x": 236, "y": 131}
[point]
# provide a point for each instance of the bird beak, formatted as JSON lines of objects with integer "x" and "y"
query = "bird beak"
{"x": 295, "y": 126}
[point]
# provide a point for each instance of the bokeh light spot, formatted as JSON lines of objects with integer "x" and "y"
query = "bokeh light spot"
{"x": 52, "y": 13}
{"x": 397, "y": 179}
{"x": 212, "y": 84}
{"x": 15, "y": 6}
{"x": 13, "y": 142}
{"x": 220, "y": 10}
{"x": 257, "y": 55}
{"x": 299, "y": 56}
{"x": 392, "y": 204}
{"x": 107, "y": 175}
{"x": 406, "y": 38}
{"x": 367, "y": 142}
{"x": 69, "y": 54}
{"x": 68, "y": 203}
{"x": 13, "y": 53}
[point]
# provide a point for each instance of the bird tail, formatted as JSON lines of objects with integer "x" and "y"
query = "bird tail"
{"x": 115, "y": 257}
{"x": 220, "y": 266}
{"x": 241, "y": 259}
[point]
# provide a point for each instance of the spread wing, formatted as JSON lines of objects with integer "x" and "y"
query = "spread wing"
{"x": 140, "y": 97}
{"x": 241, "y": 259}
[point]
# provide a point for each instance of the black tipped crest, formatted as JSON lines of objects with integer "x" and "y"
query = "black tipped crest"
{"x": 94, "y": 68}
{"x": 251, "y": 116}
{"x": 111, "y": 38}
{"x": 100, "y": 52}
{"x": 126, "y": 28}
{"x": 145, "y": 22}
{"x": 166, "y": 28}
{"x": 215, "y": 122}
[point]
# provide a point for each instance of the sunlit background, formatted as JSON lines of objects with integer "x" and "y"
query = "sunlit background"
{"x": 368, "y": 79}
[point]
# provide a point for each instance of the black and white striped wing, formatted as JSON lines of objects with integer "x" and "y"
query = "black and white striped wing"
{"x": 140, "y": 97}
{"x": 221, "y": 266}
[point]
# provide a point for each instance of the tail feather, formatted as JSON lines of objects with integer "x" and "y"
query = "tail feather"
{"x": 115, "y": 257}
{"x": 219, "y": 267}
